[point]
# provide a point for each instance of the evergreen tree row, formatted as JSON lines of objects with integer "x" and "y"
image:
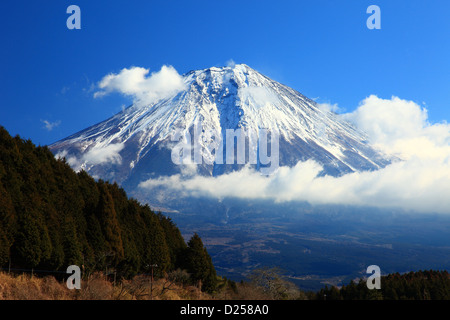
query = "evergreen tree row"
{"x": 52, "y": 217}
{"x": 420, "y": 285}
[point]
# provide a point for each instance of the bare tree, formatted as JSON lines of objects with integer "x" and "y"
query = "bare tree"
{"x": 273, "y": 283}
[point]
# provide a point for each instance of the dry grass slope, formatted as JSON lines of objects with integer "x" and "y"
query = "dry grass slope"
{"x": 97, "y": 287}
{"x": 25, "y": 287}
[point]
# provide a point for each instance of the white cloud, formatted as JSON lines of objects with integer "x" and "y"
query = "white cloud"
{"x": 71, "y": 160}
{"x": 109, "y": 153}
{"x": 403, "y": 184}
{"x": 95, "y": 156}
{"x": 419, "y": 181}
{"x": 230, "y": 63}
{"x": 401, "y": 127}
{"x": 327, "y": 107}
{"x": 259, "y": 96}
{"x": 144, "y": 89}
{"x": 49, "y": 126}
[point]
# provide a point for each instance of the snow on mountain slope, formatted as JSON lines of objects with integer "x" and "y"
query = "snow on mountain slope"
{"x": 135, "y": 144}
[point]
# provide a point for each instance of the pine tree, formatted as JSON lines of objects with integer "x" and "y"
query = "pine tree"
{"x": 110, "y": 225}
{"x": 199, "y": 264}
{"x": 174, "y": 240}
{"x": 7, "y": 212}
{"x": 72, "y": 247}
{"x": 4, "y": 248}
{"x": 156, "y": 251}
{"x": 26, "y": 249}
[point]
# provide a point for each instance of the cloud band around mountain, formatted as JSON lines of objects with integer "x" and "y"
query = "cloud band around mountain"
{"x": 419, "y": 181}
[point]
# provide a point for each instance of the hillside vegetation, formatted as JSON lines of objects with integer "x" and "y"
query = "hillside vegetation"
{"x": 175, "y": 285}
{"x": 420, "y": 285}
{"x": 52, "y": 217}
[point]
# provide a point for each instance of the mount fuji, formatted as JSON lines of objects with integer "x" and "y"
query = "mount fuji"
{"x": 135, "y": 144}
{"x": 313, "y": 243}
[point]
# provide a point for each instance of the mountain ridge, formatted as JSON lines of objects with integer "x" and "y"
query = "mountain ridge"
{"x": 137, "y": 143}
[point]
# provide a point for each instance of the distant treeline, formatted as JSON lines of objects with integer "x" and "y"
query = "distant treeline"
{"x": 52, "y": 217}
{"x": 420, "y": 285}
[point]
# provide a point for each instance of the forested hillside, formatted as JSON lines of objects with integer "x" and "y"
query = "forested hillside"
{"x": 52, "y": 217}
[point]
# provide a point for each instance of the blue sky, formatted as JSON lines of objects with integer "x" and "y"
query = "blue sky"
{"x": 321, "y": 48}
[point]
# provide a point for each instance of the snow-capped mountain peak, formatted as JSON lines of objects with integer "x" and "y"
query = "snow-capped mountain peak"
{"x": 136, "y": 143}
